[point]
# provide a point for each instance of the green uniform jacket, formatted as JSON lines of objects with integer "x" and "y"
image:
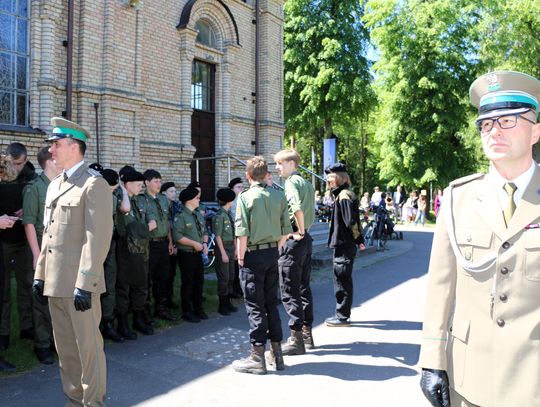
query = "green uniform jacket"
{"x": 223, "y": 226}
{"x": 158, "y": 210}
{"x": 191, "y": 225}
{"x": 134, "y": 227}
{"x": 300, "y": 196}
{"x": 34, "y": 195}
{"x": 261, "y": 215}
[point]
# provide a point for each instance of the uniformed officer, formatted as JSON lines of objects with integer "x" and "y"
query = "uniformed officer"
{"x": 223, "y": 227}
{"x": 344, "y": 237}
{"x": 108, "y": 298}
{"x": 133, "y": 251}
{"x": 262, "y": 225}
{"x": 295, "y": 257}
{"x": 191, "y": 238}
{"x": 34, "y": 196}
{"x": 168, "y": 189}
{"x": 161, "y": 245}
{"x": 70, "y": 266}
{"x": 481, "y": 339}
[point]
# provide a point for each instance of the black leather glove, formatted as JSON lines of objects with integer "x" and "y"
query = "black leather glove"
{"x": 82, "y": 299}
{"x": 37, "y": 291}
{"x": 434, "y": 384}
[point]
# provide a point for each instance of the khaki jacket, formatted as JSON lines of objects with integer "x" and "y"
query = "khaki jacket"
{"x": 483, "y": 326}
{"x": 77, "y": 235}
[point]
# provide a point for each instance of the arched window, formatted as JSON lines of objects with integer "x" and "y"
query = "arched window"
{"x": 206, "y": 34}
{"x": 14, "y": 57}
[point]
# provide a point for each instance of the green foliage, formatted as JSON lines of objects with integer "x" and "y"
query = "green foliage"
{"x": 326, "y": 72}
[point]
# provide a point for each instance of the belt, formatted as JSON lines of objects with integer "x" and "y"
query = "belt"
{"x": 262, "y": 246}
{"x": 159, "y": 239}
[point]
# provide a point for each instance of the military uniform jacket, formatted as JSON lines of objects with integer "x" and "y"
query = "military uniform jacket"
{"x": 34, "y": 195}
{"x": 77, "y": 235}
{"x": 223, "y": 226}
{"x": 191, "y": 225}
{"x": 157, "y": 209}
{"x": 482, "y": 322}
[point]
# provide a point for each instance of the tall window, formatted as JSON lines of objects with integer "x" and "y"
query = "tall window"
{"x": 206, "y": 34}
{"x": 14, "y": 58}
{"x": 202, "y": 80}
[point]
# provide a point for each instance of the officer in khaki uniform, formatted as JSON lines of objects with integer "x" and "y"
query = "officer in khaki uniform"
{"x": 34, "y": 196}
{"x": 481, "y": 337}
{"x": 262, "y": 225}
{"x": 191, "y": 238}
{"x": 69, "y": 270}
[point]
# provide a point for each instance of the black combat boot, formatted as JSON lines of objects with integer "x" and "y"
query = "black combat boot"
{"x": 254, "y": 363}
{"x": 230, "y": 305}
{"x": 295, "y": 344}
{"x": 162, "y": 312}
{"x": 307, "y": 333}
{"x": 223, "y": 308}
{"x": 123, "y": 328}
{"x": 274, "y": 356}
{"x": 108, "y": 331}
{"x": 139, "y": 323}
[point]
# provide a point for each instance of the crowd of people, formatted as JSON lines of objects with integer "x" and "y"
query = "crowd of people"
{"x": 95, "y": 253}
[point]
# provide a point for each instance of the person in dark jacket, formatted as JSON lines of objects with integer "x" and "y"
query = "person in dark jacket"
{"x": 344, "y": 237}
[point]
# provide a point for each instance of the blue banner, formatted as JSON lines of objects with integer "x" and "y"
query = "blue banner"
{"x": 329, "y": 152}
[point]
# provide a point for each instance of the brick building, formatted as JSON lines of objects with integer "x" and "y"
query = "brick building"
{"x": 160, "y": 80}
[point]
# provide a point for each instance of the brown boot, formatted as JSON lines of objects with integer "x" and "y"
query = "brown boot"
{"x": 254, "y": 363}
{"x": 274, "y": 357}
{"x": 294, "y": 345}
{"x": 307, "y": 333}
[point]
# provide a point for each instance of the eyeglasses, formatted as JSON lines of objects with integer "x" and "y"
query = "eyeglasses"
{"x": 504, "y": 122}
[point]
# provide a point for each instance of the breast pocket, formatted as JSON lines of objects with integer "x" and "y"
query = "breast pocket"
{"x": 532, "y": 251}
{"x": 71, "y": 210}
{"x": 474, "y": 244}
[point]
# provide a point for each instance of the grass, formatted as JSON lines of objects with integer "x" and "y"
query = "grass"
{"x": 21, "y": 351}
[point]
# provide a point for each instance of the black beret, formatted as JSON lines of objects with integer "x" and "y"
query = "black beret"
{"x": 225, "y": 195}
{"x": 132, "y": 176}
{"x": 96, "y": 166}
{"x": 336, "y": 167}
{"x": 235, "y": 181}
{"x": 188, "y": 194}
{"x": 193, "y": 184}
{"x": 111, "y": 176}
{"x": 166, "y": 186}
{"x": 124, "y": 169}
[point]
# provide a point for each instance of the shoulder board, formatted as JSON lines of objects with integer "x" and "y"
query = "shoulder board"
{"x": 465, "y": 180}
{"x": 93, "y": 172}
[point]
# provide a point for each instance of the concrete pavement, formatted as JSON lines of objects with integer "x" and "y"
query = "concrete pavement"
{"x": 369, "y": 364}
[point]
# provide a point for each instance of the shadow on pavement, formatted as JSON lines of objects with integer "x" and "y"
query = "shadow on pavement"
{"x": 348, "y": 371}
{"x": 389, "y": 325}
{"x": 406, "y": 353}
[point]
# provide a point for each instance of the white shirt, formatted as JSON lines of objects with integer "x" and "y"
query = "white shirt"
{"x": 521, "y": 182}
{"x": 72, "y": 170}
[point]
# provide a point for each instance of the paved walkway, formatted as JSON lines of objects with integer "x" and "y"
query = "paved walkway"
{"x": 370, "y": 364}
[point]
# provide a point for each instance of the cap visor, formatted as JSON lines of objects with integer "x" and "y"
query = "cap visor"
{"x": 502, "y": 112}
{"x": 57, "y": 137}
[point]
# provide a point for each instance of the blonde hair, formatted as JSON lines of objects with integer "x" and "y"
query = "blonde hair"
{"x": 257, "y": 168}
{"x": 288, "y": 154}
{"x": 342, "y": 178}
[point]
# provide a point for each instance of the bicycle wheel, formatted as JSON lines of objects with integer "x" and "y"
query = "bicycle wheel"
{"x": 211, "y": 251}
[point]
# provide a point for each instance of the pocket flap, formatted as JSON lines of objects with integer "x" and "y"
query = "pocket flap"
{"x": 460, "y": 330}
{"x": 474, "y": 237}
{"x": 532, "y": 239}
{"x": 74, "y": 200}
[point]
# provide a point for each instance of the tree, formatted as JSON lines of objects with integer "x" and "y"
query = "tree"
{"x": 427, "y": 61}
{"x": 327, "y": 78}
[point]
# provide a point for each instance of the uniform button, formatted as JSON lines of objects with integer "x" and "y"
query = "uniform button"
{"x": 468, "y": 256}
{"x": 50, "y": 236}
{"x": 504, "y": 270}
{"x": 469, "y": 238}
{"x": 95, "y": 284}
{"x": 503, "y": 297}
{"x": 500, "y": 322}
{"x": 50, "y": 251}
{"x": 52, "y": 220}
{"x": 506, "y": 245}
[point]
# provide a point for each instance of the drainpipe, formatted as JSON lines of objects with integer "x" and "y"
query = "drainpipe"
{"x": 69, "y": 65}
{"x": 257, "y": 35}
{"x": 96, "y": 107}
